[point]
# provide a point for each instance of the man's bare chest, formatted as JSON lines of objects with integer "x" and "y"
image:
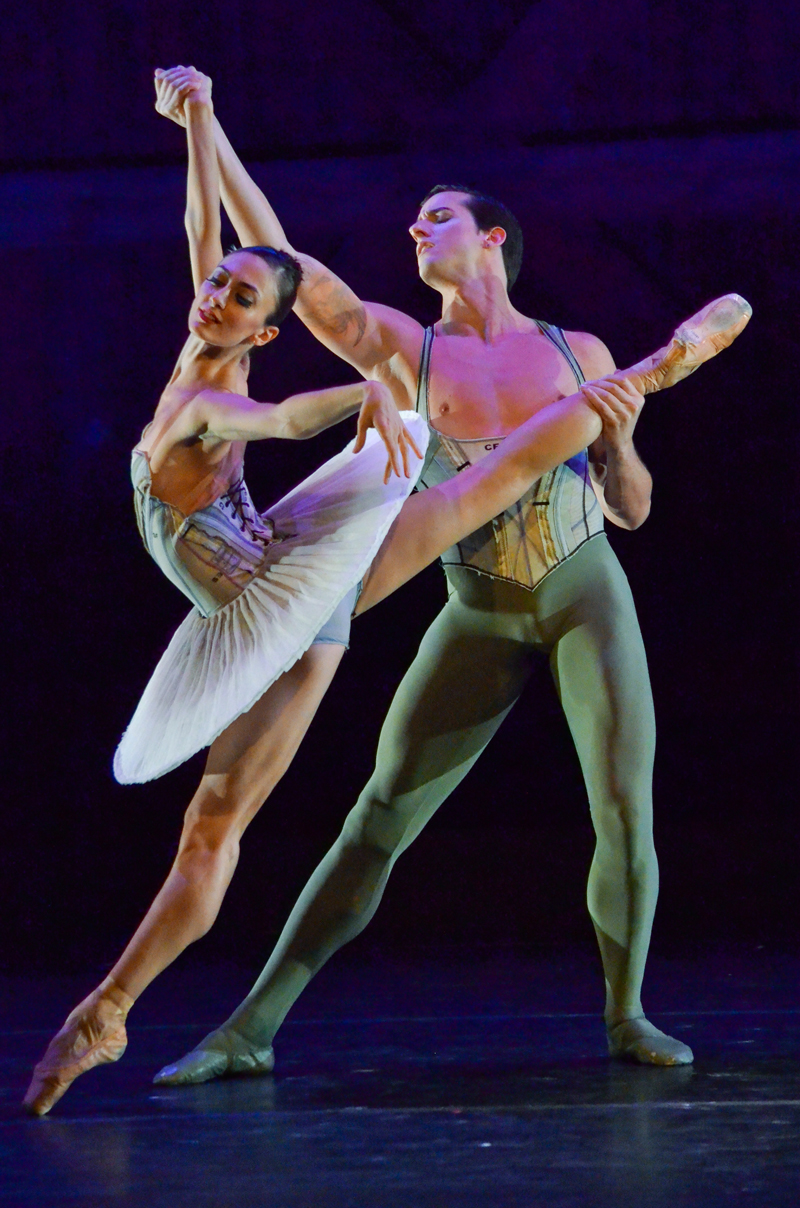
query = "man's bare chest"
{"x": 478, "y": 389}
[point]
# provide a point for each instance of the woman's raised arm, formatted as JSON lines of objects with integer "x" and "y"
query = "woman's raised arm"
{"x": 253, "y": 218}
{"x": 203, "y": 226}
{"x": 362, "y": 333}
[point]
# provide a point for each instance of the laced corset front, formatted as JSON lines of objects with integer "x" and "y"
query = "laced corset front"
{"x": 210, "y": 555}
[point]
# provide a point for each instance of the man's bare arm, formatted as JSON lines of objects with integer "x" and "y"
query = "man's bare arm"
{"x": 253, "y": 218}
{"x": 366, "y": 335}
{"x": 621, "y": 480}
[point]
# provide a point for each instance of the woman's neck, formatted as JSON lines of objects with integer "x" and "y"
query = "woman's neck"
{"x": 207, "y": 366}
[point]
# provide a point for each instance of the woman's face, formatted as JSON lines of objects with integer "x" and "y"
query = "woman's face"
{"x": 232, "y": 304}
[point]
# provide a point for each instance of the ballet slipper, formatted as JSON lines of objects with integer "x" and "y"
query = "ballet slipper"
{"x": 638, "y": 1040}
{"x": 93, "y": 1034}
{"x": 700, "y": 338}
{"x": 223, "y": 1052}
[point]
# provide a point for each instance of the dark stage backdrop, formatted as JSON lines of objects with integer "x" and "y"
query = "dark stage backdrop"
{"x": 651, "y": 151}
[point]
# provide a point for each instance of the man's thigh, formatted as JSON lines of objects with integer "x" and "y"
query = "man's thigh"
{"x": 600, "y": 669}
{"x": 468, "y": 672}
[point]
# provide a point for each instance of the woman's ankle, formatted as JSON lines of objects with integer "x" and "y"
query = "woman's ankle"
{"x": 110, "y": 991}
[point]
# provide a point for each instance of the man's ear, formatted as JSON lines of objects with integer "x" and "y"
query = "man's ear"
{"x": 265, "y": 336}
{"x": 494, "y": 238}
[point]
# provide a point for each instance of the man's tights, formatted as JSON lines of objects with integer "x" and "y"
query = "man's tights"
{"x": 471, "y": 667}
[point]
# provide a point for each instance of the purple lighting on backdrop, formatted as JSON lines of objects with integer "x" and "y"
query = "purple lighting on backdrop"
{"x": 651, "y": 156}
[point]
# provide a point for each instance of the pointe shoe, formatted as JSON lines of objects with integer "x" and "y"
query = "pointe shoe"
{"x": 93, "y": 1034}
{"x": 700, "y": 338}
{"x": 639, "y": 1040}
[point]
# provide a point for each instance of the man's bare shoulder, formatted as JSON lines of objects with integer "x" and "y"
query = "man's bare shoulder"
{"x": 398, "y": 319}
{"x": 591, "y": 353}
{"x": 402, "y": 333}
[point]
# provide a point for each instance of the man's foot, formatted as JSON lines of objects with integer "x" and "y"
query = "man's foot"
{"x": 222, "y": 1053}
{"x": 93, "y": 1034}
{"x": 700, "y": 338}
{"x": 638, "y": 1040}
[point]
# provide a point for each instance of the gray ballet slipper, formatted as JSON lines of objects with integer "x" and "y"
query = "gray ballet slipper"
{"x": 221, "y": 1054}
{"x": 639, "y": 1040}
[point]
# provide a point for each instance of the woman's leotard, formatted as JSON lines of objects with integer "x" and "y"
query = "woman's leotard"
{"x": 262, "y": 585}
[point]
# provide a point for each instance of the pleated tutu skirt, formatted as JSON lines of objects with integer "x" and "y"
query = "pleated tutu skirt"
{"x": 216, "y": 667}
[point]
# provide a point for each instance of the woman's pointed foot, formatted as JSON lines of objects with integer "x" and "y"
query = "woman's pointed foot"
{"x": 221, "y": 1053}
{"x": 639, "y": 1040}
{"x": 93, "y": 1034}
{"x": 700, "y": 338}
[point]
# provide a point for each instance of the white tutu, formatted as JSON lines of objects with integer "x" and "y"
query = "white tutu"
{"x": 216, "y": 667}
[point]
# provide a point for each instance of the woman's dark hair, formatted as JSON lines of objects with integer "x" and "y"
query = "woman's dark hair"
{"x": 488, "y": 212}
{"x": 287, "y": 273}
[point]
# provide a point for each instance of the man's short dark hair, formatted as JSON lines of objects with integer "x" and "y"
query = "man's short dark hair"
{"x": 488, "y": 212}
{"x": 287, "y": 273}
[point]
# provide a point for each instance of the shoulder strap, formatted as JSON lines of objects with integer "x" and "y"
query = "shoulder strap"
{"x": 421, "y": 404}
{"x": 557, "y": 338}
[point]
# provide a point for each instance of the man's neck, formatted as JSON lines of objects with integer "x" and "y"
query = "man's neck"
{"x": 480, "y": 306}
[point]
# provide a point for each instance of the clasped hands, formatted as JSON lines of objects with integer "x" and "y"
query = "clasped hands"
{"x": 176, "y": 86}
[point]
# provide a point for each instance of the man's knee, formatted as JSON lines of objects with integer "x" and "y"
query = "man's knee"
{"x": 376, "y": 821}
{"x": 623, "y": 820}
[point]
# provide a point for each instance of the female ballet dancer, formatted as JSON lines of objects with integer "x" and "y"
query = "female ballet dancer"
{"x": 261, "y": 584}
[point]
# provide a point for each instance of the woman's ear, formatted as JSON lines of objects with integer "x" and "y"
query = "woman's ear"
{"x": 265, "y": 336}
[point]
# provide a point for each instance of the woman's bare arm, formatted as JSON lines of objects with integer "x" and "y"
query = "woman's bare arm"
{"x": 203, "y": 226}
{"x": 221, "y": 416}
{"x": 364, "y": 334}
{"x": 253, "y": 218}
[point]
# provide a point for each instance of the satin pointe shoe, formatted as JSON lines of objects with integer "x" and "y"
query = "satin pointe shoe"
{"x": 93, "y": 1034}
{"x": 696, "y": 341}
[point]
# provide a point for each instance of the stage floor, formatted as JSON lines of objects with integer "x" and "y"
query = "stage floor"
{"x": 447, "y": 1083}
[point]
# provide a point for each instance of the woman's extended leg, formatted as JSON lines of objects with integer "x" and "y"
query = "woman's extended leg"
{"x": 243, "y": 766}
{"x": 431, "y": 522}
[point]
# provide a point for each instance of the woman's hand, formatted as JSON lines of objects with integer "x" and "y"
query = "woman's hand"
{"x": 176, "y": 86}
{"x": 379, "y": 411}
{"x": 618, "y": 403}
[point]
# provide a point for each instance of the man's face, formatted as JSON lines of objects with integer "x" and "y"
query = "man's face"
{"x": 449, "y": 244}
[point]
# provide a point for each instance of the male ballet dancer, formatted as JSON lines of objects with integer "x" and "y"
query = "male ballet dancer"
{"x": 541, "y": 578}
